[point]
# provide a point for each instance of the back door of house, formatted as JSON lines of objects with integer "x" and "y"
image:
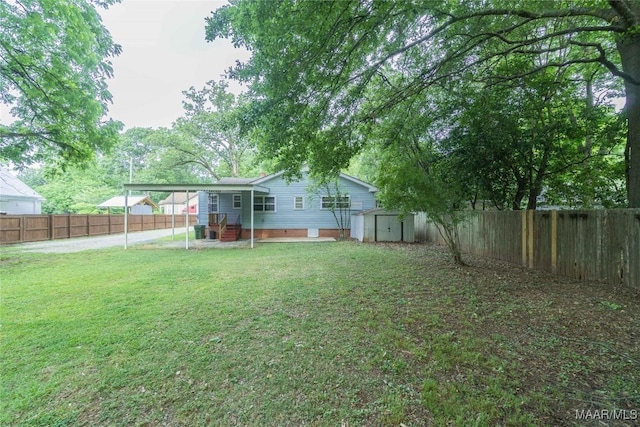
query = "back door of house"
{"x": 388, "y": 228}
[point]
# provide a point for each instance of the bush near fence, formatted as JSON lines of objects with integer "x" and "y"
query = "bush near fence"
{"x": 34, "y": 228}
{"x": 602, "y": 245}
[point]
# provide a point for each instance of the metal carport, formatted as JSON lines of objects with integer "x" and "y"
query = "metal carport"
{"x": 172, "y": 188}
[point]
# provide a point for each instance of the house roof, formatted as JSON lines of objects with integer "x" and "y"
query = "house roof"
{"x": 12, "y": 188}
{"x": 368, "y": 186}
{"x": 371, "y": 188}
{"x": 178, "y": 198}
{"x": 118, "y": 202}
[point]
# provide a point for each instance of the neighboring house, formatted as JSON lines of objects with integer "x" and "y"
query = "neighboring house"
{"x": 175, "y": 203}
{"x": 138, "y": 205}
{"x": 281, "y": 209}
{"x": 16, "y": 197}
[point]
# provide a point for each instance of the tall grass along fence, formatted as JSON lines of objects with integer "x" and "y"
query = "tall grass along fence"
{"x": 599, "y": 245}
{"x": 33, "y": 228}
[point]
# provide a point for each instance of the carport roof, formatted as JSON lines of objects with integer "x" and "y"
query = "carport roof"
{"x": 214, "y": 188}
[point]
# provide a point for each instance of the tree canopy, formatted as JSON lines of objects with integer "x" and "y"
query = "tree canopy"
{"x": 327, "y": 73}
{"x": 53, "y": 70}
{"x": 210, "y": 133}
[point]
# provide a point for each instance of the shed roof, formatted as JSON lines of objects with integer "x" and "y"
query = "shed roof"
{"x": 118, "y": 202}
{"x": 12, "y": 188}
{"x": 382, "y": 211}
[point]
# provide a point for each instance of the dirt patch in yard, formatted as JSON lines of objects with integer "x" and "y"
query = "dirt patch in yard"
{"x": 574, "y": 346}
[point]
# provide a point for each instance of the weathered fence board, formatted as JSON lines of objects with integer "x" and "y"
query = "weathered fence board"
{"x": 599, "y": 245}
{"x": 32, "y": 228}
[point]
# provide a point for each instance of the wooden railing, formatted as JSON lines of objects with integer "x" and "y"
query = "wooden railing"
{"x": 222, "y": 225}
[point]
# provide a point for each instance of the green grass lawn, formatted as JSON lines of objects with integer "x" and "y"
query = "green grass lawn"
{"x": 307, "y": 334}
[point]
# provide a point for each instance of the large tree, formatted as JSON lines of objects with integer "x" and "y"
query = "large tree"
{"x": 313, "y": 62}
{"x": 211, "y": 126}
{"x": 53, "y": 70}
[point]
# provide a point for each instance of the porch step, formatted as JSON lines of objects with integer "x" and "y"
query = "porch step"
{"x": 231, "y": 234}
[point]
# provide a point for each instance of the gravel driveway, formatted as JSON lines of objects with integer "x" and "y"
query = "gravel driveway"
{"x": 95, "y": 242}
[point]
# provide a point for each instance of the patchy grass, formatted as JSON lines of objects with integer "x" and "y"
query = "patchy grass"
{"x": 308, "y": 334}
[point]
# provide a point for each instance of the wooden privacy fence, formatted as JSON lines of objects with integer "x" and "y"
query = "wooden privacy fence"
{"x": 33, "y": 228}
{"x": 599, "y": 245}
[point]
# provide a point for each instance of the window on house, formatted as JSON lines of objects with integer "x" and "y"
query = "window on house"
{"x": 213, "y": 203}
{"x": 237, "y": 201}
{"x": 264, "y": 203}
{"x": 298, "y": 203}
{"x": 335, "y": 202}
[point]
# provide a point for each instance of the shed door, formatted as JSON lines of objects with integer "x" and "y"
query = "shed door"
{"x": 388, "y": 228}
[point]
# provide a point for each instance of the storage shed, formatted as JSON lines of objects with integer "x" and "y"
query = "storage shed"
{"x": 379, "y": 225}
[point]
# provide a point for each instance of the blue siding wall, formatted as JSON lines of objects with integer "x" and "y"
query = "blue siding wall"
{"x": 285, "y": 216}
{"x": 225, "y": 205}
{"x": 312, "y": 216}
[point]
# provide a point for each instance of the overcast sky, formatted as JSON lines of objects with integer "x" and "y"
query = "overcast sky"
{"x": 164, "y": 52}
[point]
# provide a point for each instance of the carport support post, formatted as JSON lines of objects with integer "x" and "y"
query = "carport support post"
{"x": 173, "y": 216}
{"x": 126, "y": 218}
{"x": 251, "y": 207}
{"x": 187, "y": 225}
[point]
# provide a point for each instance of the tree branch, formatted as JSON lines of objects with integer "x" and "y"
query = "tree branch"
{"x": 604, "y": 14}
{"x": 624, "y": 10}
{"x": 608, "y": 64}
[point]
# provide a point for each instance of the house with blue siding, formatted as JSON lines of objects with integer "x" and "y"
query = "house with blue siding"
{"x": 269, "y": 206}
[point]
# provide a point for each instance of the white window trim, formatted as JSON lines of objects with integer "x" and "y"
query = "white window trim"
{"x": 209, "y": 203}
{"x": 294, "y": 203}
{"x": 233, "y": 201}
{"x": 348, "y": 197}
{"x": 275, "y": 204}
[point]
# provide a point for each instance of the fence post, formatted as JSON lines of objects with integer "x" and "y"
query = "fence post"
{"x": 530, "y": 237}
{"x": 22, "y": 226}
{"x": 51, "y": 227}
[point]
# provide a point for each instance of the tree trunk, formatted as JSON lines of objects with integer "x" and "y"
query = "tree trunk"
{"x": 449, "y": 233}
{"x": 629, "y": 49}
{"x": 589, "y": 195}
{"x": 519, "y": 194}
